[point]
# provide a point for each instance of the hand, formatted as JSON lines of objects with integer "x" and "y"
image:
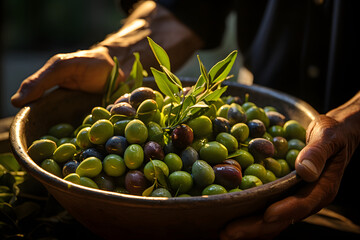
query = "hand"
{"x": 331, "y": 141}
{"x": 85, "y": 70}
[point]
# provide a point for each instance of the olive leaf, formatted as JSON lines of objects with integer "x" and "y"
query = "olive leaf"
{"x": 166, "y": 87}
{"x": 9, "y": 162}
{"x": 110, "y": 83}
{"x": 147, "y": 192}
{"x": 160, "y": 54}
{"x": 221, "y": 69}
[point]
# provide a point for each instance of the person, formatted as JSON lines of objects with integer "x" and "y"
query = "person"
{"x": 304, "y": 48}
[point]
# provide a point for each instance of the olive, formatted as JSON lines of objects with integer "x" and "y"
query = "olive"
{"x": 63, "y": 140}
{"x": 285, "y": 168}
{"x": 281, "y": 147}
{"x": 248, "y": 105}
{"x": 153, "y": 169}
{"x": 291, "y": 156}
{"x": 276, "y": 130}
{"x": 72, "y": 177}
{"x": 135, "y": 182}
{"x": 240, "y": 131}
{"x": 214, "y": 189}
{"x": 49, "y": 137}
{"x": 153, "y": 150}
{"x": 202, "y": 126}
{"x": 119, "y": 127}
{"x": 88, "y": 182}
{"x": 140, "y": 94}
{"x": 147, "y": 110}
{"x": 293, "y": 129}
{"x": 275, "y": 118}
{"x": 116, "y": 145}
{"x": 101, "y": 131}
{"x": 161, "y": 192}
{"x": 159, "y": 99}
{"x": 104, "y": 182}
{"x": 61, "y": 130}
{"x": 228, "y": 140}
{"x": 89, "y": 167}
{"x": 228, "y": 176}
{"x": 233, "y": 99}
{"x": 213, "y": 152}
{"x": 92, "y": 152}
{"x": 235, "y": 190}
{"x": 64, "y": 152}
{"x": 123, "y": 108}
{"x": 170, "y": 148}
{"x": 70, "y": 167}
{"x": 123, "y": 98}
{"x": 236, "y": 114}
{"x": 256, "y": 128}
{"x": 198, "y": 143}
{"x": 51, "y": 166}
{"x": 244, "y": 158}
{"x": 270, "y": 176}
{"x": 257, "y": 170}
{"x": 88, "y": 120}
{"x": 188, "y": 156}
{"x": 202, "y": 173}
{"x": 100, "y": 113}
{"x": 155, "y": 133}
{"x": 182, "y": 136}
{"x": 114, "y": 165}
{"x": 223, "y": 111}
{"x": 136, "y": 131}
{"x": 296, "y": 144}
{"x": 233, "y": 163}
{"x": 261, "y": 148}
{"x": 173, "y": 161}
{"x": 257, "y": 113}
{"x": 134, "y": 156}
{"x": 250, "y": 181}
{"x": 220, "y": 124}
{"x": 273, "y": 165}
{"x": 41, "y": 149}
{"x": 180, "y": 181}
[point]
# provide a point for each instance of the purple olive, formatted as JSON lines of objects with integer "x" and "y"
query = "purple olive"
{"x": 261, "y": 148}
{"x": 256, "y": 128}
{"x": 182, "y": 136}
{"x": 116, "y": 145}
{"x": 220, "y": 124}
{"x": 140, "y": 94}
{"x": 228, "y": 176}
{"x": 123, "y": 98}
{"x": 136, "y": 182}
{"x": 275, "y": 118}
{"x": 123, "y": 108}
{"x": 153, "y": 150}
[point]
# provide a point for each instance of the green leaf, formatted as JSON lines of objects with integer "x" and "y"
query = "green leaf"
{"x": 136, "y": 74}
{"x": 172, "y": 77}
{"x": 149, "y": 190}
{"x": 165, "y": 86}
{"x": 221, "y": 69}
{"x": 111, "y": 83}
{"x": 160, "y": 54}
{"x": 204, "y": 73}
{"x": 9, "y": 162}
{"x": 215, "y": 94}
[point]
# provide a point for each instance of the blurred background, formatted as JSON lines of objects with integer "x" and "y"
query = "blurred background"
{"x": 33, "y": 31}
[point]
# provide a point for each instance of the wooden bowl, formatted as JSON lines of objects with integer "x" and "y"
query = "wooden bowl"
{"x": 120, "y": 216}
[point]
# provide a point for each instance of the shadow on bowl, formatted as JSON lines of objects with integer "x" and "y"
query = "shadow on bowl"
{"x": 120, "y": 216}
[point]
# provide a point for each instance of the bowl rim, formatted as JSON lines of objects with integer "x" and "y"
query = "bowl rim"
{"x": 19, "y": 149}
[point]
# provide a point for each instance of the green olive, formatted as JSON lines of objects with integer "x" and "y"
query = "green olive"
{"x": 296, "y": 144}
{"x": 100, "y": 113}
{"x": 223, "y": 111}
{"x": 161, "y": 192}
{"x": 134, "y": 156}
{"x": 257, "y": 170}
{"x": 214, "y": 189}
{"x": 291, "y": 157}
{"x": 270, "y": 176}
{"x": 114, "y": 165}
{"x": 250, "y": 181}
{"x": 203, "y": 174}
{"x": 240, "y": 131}
{"x": 244, "y": 158}
{"x": 155, "y": 133}
{"x": 173, "y": 161}
{"x": 293, "y": 129}
{"x": 89, "y": 167}
{"x": 180, "y": 181}
{"x": 88, "y": 120}
{"x": 136, "y": 132}
{"x": 154, "y": 168}
{"x": 88, "y": 182}
{"x": 273, "y": 165}
{"x": 41, "y": 149}
{"x": 201, "y": 126}
{"x": 147, "y": 110}
{"x": 51, "y": 166}
{"x": 101, "y": 131}
{"x": 159, "y": 99}
{"x": 119, "y": 127}
{"x": 61, "y": 130}
{"x": 82, "y": 138}
{"x": 285, "y": 168}
{"x": 73, "y": 177}
{"x": 276, "y": 130}
{"x": 228, "y": 140}
{"x": 213, "y": 152}
{"x": 64, "y": 152}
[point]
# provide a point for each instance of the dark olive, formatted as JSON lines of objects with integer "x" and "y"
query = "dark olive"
{"x": 153, "y": 150}
{"x": 228, "y": 176}
{"x": 104, "y": 182}
{"x": 69, "y": 167}
{"x": 188, "y": 156}
{"x": 139, "y": 95}
{"x": 236, "y": 114}
{"x": 123, "y": 108}
{"x": 170, "y": 148}
{"x": 281, "y": 147}
{"x": 123, "y": 98}
{"x": 220, "y": 124}
{"x": 233, "y": 99}
{"x": 261, "y": 148}
{"x": 256, "y": 128}
{"x": 232, "y": 162}
{"x": 92, "y": 152}
{"x": 116, "y": 145}
{"x": 182, "y": 136}
{"x": 275, "y": 118}
{"x": 136, "y": 182}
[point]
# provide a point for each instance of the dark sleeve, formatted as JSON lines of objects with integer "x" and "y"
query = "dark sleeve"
{"x": 207, "y": 18}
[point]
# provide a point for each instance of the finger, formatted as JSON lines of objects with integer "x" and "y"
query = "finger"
{"x": 322, "y": 144}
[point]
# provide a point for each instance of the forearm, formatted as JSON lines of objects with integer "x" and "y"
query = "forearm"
{"x": 150, "y": 19}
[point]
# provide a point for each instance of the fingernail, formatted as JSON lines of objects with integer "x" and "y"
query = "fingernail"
{"x": 309, "y": 166}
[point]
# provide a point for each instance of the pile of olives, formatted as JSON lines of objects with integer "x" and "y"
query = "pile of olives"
{"x": 127, "y": 147}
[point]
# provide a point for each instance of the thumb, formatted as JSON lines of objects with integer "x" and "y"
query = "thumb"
{"x": 322, "y": 143}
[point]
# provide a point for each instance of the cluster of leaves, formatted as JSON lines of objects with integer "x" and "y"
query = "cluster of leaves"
{"x": 202, "y": 94}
